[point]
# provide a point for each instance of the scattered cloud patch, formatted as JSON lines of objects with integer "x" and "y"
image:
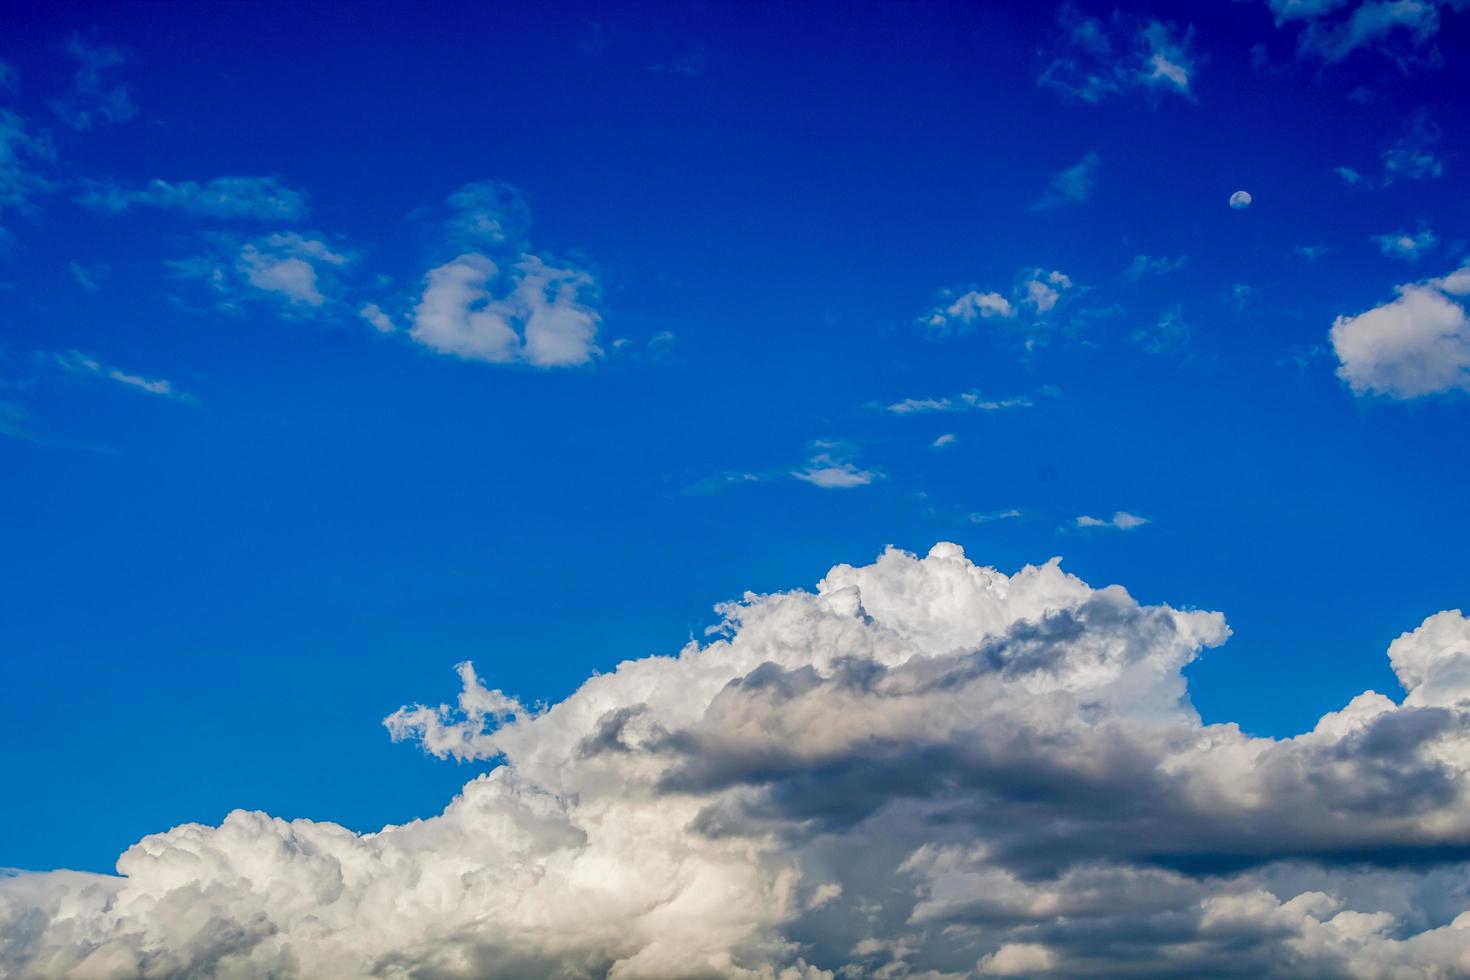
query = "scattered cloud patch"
{"x": 1403, "y": 245}
{"x": 969, "y": 401}
{"x": 1330, "y": 30}
{"x": 23, "y": 155}
{"x": 1170, "y": 333}
{"x": 1095, "y": 60}
{"x": 94, "y": 99}
{"x": 1411, "y": 157}
{"x": 1351, "y": 177}
{"x": 1071, "y": 186}
{"x": 947, "y": 439}
{"x": 1120, "y": 521}
{"x": 1417, "y": 344}
{"x": 995, "y": 515}
{"x": 297, "y": 270}
{"x": 252, "y": 198}
{"x": 961, "y": 313}
{"x": 1147, "y": 265}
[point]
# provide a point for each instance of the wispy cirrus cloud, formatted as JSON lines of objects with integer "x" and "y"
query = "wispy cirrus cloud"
{"x": 85, "y": 365}
{"x": 94, "y": 99}
{"x": 251, "y": 198}
{"x": 1120, "y": 521}
{"x": 969, "y": 401}
{"x": 1094, "y": 60}
{"x": 1070, "y": 186}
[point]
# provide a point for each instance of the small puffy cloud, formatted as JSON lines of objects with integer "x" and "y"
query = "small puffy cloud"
{"x": 922, "y": 767}
{"x": 1146, "y": 265}
{"x": 253, "y": 198}
{"x": 829, "y": 469}
{"x": 969, "y": 401}
{"x": 94, "y": 100}
{"x": 379, "y": 320}
{"x": 290, "y": 267}
{"x": 1402, "y": 245}
{"x": 1417, "y": 344}
{"x": 286, "y": 264}
{"x": 1094, "y": 60}
{"x": 1411, "y": 157}
{"x": 75, "y": 362}
{"x": 1120, "y": 521}
{"x": 947, "y": 439}
{"x": 1072, "y": 185}
{"x": 527, "y": 312}
{"x": 961, "y": 311}
{"x": 1351, "y": 177}
{"x": 1240, "y": 200}
{"x": 1041, "y": 290}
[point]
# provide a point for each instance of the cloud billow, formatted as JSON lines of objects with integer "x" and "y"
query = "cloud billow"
{"x": 925, "y": 767}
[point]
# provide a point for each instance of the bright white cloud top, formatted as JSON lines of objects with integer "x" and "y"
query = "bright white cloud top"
{"x": 1417, "y": 344}
{"x": 923, "y": 768}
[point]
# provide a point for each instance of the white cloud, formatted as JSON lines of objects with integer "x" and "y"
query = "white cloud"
{"x": 298, "y": 270}
{"x": 255, "y": 198}
{"x": 1121, "y": 521}
{"x": 286, "y": 263}
{"x": 1402, "y": 245}
{"x": 76, "y": 362}
{"x": 822, "y": 470}
{"x": 1095, "y": 60}
{"x": 1071, "y": 186}
{"x": 947, "y": 439}
{"x": 530, "y": 312}
{"x": 923, "y": 768}
{"x": 969, "y": 401}
{"x": 996, "y": 515}
{"x": 379, "y": 320}
{"x": 1417, "y": 344}
{"x": 963, "y": 311}
{"x": 1169, "y": 334}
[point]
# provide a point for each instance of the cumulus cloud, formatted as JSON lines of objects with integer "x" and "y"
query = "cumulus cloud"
{"x": 377, "y": 318}
{"x": 1417, "y": 344}
{"x": 1095, "y": 60}
{"x": 75, "y": 362}
{"x": 499, "y": 302}
{"x": 529, "y": 312}
{"x": 1070, "y": 186}
{"x": 827, "y": 468}
{"x": 297, "y": 270}
{"x": 1403, "y": 245}
{"x": 1036, "y": 294}
{"x": 923, "y": 768}
{"x": 254, "y": 198}
{"x": 94, "y": 100}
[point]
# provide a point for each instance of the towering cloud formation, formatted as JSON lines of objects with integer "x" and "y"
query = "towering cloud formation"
{"x": 923, "y": 768}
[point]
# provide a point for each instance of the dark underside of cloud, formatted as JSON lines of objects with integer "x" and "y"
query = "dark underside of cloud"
{"x": 925, "y": 768}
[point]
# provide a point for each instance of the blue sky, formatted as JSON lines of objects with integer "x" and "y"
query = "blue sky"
{"x": 751, "y": 291}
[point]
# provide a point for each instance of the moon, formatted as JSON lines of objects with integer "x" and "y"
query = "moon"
{"x": 1240, "y": 200}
